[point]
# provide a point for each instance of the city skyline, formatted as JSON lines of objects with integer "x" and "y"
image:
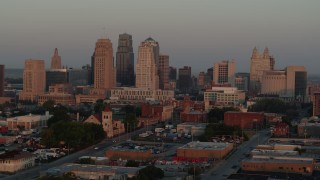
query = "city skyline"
{"x": 209, "y": 34}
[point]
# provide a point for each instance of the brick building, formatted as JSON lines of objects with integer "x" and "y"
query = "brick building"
{"x": 128, "y": 154}
{"x": 198, "y": 150}
{"x": 245, "y": 120}
{"x": 281, "y": 130}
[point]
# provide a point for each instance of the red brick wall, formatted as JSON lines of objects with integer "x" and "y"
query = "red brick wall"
{"x": 245, "y": 120}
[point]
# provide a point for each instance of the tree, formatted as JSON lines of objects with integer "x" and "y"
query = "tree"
{"x": 48, "y": 105}
{"x": 216, "y": 114}
{"x": 130, "y": 121}
{"x": 59, "y": 114}
{"x": 99, "y": 106}
{"x": 150, "y": 173}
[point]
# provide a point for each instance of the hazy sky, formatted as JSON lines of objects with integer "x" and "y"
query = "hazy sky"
{"x": 196, "y": 33}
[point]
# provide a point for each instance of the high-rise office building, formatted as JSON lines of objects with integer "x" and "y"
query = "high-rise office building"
{"x": 34, "y": 77}
{"x": 1, "y": 80}
{"x": 259, "y": 63}
{"x": 125, "y": 61}
{"x": 80, "y": 77}
{"x": 104, "y": 71}
{"x": 242, "y": 81}
{"x": 147, "y": 65}
{"x": 163, "y": 68}
{"x": 56, "y": 76}
{"x": 201, "y": 80}
{"x": 184, "y": 79}
{"x": 56, "y": 60}
{"x": 209, "y": 76}
{"x": 172, "y": 73}
{"x": 224, "y": 72}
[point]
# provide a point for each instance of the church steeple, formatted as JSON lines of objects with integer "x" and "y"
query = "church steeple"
{"x": 255, "y": 53}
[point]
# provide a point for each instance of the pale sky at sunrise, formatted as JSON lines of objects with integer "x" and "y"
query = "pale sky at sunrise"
{"x": 196, "y": 33}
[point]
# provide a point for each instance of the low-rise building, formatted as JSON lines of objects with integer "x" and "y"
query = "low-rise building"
{"x": 28, "y": 122}
{"x": 198, "y": 150}
{"x": 137, "y": 94}
{"x": 128, "y": 154}
{"x": 278, "y": 164}
{"x": 195, "y": 129}
{"x": 14, "y": 161}
{"x": 309, "y": 128}
{"x": 85, "y": 171}
{"x": 223, "y": 96}
{"x": 281, "y": 130}
{"x": 245, "y": 120}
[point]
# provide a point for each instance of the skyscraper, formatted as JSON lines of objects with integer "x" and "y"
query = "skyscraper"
{"x": 259, "y": 63}
{"x": 56, "y": 60}
{"x": 224, "y": 72}
{"x": 184, "y": 79}
{"x": 33, "y": 80}
{"x": 172, "y": 73}
{"x": 1, "y": 80}
{"x": 125, "y": 60}
{"x": 104, "y": 71}
{"x": 163, "y": 68}
{"x": 146, "y": 68}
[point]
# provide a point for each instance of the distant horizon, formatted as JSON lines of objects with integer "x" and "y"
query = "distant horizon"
{"x": 195, "y": 34}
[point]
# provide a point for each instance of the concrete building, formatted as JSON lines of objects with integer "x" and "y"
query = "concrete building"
{"x": 278, "y": 164}
{"x": 244, "y": 120}
{"x": 60, "y": 94}
{"x": 28, "y": 122}
{"x": 33, "y": 80}
{"x": 125, "y": 61}
{"x": 163, "y": 68}
{"x": 184, "y": 80}
{"x": 224, "y": 72}
{"x": 104, "y": 71}
{"x": 80, "y": 77}
{"x": 201, "y": 80}
{"x": 161, "y": 112}
{"x": 195, "y": 129}
{"x": 1, "y": 80}
{"x": 56, "y": 76}
{"x": 147, "y": 65}
{"x": 85, "y": 171}
{"x": 290, "y": 83}
{"x": 259, "y": 64}
{"x": 138, "y": 94}
{"x": 14, "y": 161}
{"x": 242, "y": 81}
{"x": 223, "y": 96}
{"x": 172, "y": 73}
{"x": 309, "y": 128}
{"x": 209, "y": 150}
{"x": 209, "y": 76}
{"x": 56, "y": 60}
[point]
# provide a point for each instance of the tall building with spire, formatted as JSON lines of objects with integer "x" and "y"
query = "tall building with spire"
{"x": 125, "y": 61}
{"x": 1, "y": 80}
{"x": 34, "y": 77}
{"x": 147, "y": 65}
{"x": 56, "y": 60}
{"x": 259, "y": 64}
{"x": 104, "y": 71}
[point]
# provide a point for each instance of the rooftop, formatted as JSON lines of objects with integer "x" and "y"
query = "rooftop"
{"x": 206, "y": 146}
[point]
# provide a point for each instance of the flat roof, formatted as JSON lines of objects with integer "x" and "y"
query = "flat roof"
{"x": 206, "y": 146}
{"x": 275, "y": 160}
{"x": 94, "y": 168}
